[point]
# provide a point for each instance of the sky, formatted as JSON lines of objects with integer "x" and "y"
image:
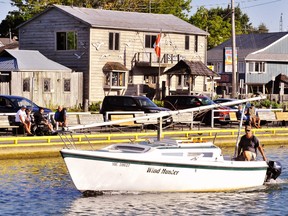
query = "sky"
{"x": 259, "y": 11}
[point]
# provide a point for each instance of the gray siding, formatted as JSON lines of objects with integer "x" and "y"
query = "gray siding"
{"x": 40, "y": 34}
{"x": 280, "y": 47}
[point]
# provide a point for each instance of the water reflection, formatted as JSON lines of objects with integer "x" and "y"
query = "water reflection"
{"x": 241, "y": 203}
{"x": 44, "y": 187}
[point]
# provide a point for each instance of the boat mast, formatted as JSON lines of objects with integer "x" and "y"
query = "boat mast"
{"x": 234, "y": 62}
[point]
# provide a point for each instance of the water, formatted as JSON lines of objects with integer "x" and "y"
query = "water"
{"x": 43, "y": 187}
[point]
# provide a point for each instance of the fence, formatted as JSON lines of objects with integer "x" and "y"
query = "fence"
{"x": 213, "y": 117}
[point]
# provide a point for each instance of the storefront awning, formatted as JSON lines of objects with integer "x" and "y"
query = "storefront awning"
{"x": 114, "y": 66}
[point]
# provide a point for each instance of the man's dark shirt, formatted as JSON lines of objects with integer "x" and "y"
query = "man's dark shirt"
{"x": 39, "y": 118}
{"x": 250, "y": 144}
{"x": 60, "y": 116}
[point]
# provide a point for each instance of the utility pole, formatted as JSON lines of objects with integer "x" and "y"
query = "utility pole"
{"x": 281, "y": 23}
{"x": 234, "y": 62}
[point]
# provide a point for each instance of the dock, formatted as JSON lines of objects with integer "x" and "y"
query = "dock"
{"x": 49, "y": 146}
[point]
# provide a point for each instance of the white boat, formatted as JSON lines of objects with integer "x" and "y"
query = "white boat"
{"x": 164, "y": 166}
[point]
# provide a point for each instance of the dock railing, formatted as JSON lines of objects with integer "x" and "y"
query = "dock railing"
{"x": 213, "y": 117}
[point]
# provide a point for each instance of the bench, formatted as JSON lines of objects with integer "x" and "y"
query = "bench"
{"x": 129, "y": 124}
{"x": 233, "y": 118}
{"x": 91, "y": 119}
{"x": 282, "y": 117}
{"x": 147, "y": 122}
{"x": 183, "y": 119}
{"x": 73, "y": 120}
{"x": 268, "y": 116}
{"x": 5, "y": 124}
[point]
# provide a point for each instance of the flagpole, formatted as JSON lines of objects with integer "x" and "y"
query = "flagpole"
{"x": 158, "y": 53}
{"x": 158, "y": 96}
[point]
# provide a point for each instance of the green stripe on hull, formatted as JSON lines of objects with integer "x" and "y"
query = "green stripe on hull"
{"x": 115, "y": 160}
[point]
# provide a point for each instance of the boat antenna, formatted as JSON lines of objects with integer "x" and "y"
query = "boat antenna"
{"x": 214, "y": 138}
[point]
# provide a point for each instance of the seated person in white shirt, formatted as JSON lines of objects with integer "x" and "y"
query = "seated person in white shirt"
{"x": 21, "y": 118}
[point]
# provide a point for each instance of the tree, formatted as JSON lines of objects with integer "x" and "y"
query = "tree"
{"x": 175, "y": 7}
{"x": 217, "y": 22}
{"x": 29, "y": 8}
{"x": 261, "y": 29}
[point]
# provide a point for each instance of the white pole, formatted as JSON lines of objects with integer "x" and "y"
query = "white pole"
{"x": 239, "y": 131}
{"x": 234, "y": 77}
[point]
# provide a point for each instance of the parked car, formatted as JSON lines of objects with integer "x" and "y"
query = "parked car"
{"x": 129, "y": 103}
{"x": 178, "y": 102}
{"x": 223, "y": 100}
{"x": 12, "y": 103}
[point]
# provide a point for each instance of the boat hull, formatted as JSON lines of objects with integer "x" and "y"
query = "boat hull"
{"x": 94, "y": 171}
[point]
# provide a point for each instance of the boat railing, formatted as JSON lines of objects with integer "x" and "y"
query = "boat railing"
{"x": 67, "y": 139}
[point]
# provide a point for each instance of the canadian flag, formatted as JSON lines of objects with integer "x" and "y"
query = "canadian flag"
{"x": 157, "y": 46}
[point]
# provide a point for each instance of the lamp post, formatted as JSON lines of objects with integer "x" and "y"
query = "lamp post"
{"x": 272, "y": 90}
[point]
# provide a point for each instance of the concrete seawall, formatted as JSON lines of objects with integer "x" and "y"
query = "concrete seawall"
{"x": 50, "y": 146}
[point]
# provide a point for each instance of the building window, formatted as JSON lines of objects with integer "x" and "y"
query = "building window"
{"x": 26, "y": 85}
{"x": 115, "y": 79}
{"x": 67, "y": 40}
{"x": 187, "y": 42}
{"x": 150, "y": 40}
{"x": 67, "y": 85}
{"x": 150, "y": 79}
{"x": 47, "y": 85}
{"x": 258, "y": 67}
{"x": 114, "y": 41}
{"x": 183, "y": 80}
{"x": 196, "y": 44}
{"x": 251, "y": 66}
{"x": 130, "y": 78}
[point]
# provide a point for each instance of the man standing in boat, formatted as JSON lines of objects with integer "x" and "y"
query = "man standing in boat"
{"x": 248, "y": 146}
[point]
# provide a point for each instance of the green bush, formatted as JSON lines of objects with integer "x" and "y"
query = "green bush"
{"x": 95, "y": 106}
{"x": 159, "y": 103}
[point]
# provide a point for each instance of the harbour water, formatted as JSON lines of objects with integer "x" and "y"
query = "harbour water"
{"x": 43, "y": 187}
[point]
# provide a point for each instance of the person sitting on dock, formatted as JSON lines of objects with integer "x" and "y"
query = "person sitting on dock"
{"x": 239, "y": 113}
{"x": 21, "y": 119}
{"x": 41, "y": 120}
{"x": 254, "y": 120}
{"x": 248, "y": 146}
{"x": 60, "y": 117}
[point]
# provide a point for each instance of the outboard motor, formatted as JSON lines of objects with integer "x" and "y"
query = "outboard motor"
{"x": 273, "y": 171}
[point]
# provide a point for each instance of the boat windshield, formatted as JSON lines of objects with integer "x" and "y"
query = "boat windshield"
{"x": 131, "y": 148}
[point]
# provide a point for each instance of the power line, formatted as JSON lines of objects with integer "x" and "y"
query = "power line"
{"x": 238, "y": 2}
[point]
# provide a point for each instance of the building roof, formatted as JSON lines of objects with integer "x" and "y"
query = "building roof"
{"x": 28, "y": 60}
{"x": 268, "y": 57}
{"x": 246, "y": 44}
{"x": 4, "y": 41}
{"x": 13, "y": 45}
{"x": 194, "y": 68}
{"x": 98, "y": 18}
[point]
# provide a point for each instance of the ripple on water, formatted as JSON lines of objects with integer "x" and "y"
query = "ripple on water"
{"x": 43, "y": 187}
